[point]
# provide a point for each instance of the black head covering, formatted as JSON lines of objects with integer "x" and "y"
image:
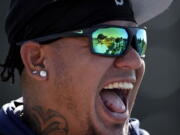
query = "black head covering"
{"x": 28, "y": 19}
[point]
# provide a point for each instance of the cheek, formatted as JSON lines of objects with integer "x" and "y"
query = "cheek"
{"x": 139, "y": 76}
{"x": 82, "y": 77}
{"x": 89, "y": 72}
{"x": 76, "y": 76}
{"x": 141, "y": 71}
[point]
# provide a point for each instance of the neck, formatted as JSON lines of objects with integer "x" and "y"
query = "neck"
{"x": 45, "y": 121}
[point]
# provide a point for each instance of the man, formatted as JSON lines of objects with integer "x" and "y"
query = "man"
{"x": 71, "y": 86}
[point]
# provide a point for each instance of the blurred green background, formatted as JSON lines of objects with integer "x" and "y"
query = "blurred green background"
{"x": 157, "y": 105}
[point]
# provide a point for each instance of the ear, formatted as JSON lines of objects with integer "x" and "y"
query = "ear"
{"x": 33, "y": 58}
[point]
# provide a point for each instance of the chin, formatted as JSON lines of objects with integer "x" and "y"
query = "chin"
{"x": 116, "y": 130}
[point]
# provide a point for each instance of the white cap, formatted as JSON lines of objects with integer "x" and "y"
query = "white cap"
{"x": 145, "y": 10}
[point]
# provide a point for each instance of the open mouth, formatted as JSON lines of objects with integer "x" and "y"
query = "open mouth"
{"x": 114, "y": 96}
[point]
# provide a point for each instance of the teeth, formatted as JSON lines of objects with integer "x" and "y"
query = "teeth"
{"x": 111, "y": 86}
{"x": 116, "y": 85}
{"x": 120, "y": 85}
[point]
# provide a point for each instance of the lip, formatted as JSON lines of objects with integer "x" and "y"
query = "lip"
{"x": 109, "y": 117}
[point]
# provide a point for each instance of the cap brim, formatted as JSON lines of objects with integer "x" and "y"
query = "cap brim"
{"x": 145, "y": 10}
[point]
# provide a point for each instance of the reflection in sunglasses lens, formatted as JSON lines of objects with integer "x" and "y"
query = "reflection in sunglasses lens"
{"x": 110, "y": 41}
{"x": 141, "y": 42}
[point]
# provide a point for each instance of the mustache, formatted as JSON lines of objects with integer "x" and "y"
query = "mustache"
{"x": 123, "y": 74}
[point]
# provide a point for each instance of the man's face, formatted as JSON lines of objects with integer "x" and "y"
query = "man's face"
{"x": 76, "y": 81}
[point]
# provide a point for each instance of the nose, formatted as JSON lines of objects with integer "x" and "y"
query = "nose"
{"x": 131, "y": 60}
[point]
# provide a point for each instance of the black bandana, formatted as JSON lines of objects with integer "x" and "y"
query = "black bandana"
{"x": 28, "y": 19}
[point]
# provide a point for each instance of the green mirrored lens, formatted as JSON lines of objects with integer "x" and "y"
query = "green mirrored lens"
{"x": 110, "y": 41}
{"x": 141, "y": 39}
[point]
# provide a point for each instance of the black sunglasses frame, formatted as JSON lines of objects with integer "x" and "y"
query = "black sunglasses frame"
{"x": 87, "y": 32}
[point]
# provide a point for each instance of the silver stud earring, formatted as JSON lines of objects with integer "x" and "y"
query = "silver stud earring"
{"x": 34, "y": 72}
{"x": 43, "y": 73}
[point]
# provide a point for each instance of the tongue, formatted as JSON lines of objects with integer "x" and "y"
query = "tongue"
{"x": 112, "y": 101}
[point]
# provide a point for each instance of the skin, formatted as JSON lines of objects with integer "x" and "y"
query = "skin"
{"x": 66, "y": 101}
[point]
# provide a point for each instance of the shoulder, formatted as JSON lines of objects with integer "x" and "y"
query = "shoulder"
{"x": 10, "y": 121}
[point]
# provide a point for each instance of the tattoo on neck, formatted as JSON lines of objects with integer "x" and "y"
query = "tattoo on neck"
{"x": 47, "y": 122}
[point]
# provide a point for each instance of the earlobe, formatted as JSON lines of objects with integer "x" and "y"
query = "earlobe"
{"x": 33, "y": 58}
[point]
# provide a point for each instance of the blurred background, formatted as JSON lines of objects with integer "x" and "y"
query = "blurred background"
{"x": 157, "y": 105}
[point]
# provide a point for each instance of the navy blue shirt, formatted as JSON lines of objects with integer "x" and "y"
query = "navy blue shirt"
{"x": 12, "y": 124}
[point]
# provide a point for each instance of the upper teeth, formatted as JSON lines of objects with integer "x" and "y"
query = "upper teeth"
{"x": 120, "y": 85}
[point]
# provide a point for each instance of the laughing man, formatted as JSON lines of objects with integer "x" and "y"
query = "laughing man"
{"x": 81, "y": 63}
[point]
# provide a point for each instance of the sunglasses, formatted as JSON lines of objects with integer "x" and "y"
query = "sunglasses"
{"x": 106, "y": 40}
